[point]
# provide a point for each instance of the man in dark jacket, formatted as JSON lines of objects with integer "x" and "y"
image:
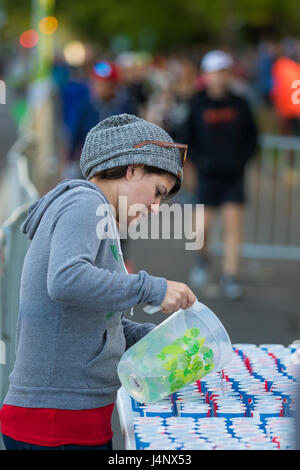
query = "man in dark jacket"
{"x": 222, "y": 137}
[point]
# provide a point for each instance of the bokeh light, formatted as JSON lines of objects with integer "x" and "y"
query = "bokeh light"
{"x": 48, "y": 25}
{"x": 29, "y": 38}
{"x": 74, "y": 53}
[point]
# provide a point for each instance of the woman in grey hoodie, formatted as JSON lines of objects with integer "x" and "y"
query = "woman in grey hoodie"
{"x": 75, "y": 290}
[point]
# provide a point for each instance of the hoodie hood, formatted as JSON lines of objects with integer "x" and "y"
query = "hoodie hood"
{"x": 37, "y": 210}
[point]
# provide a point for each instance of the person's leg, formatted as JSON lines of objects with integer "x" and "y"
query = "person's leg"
{"x": 232, "y": 236}
{"x": 107, "y": 446}
{"x": 210, "y": 213}
{"x": 199, "y": 273}
{"x": 209, "y": 194}
{"x": 232, "y": 215}
{"x": 12, "y": 444}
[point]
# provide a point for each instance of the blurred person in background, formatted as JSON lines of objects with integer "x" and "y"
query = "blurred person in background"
{"x": 134, "y": 71}
{"x": 222, "y": 137}
{"x": 182, "y": 87}
{"x": 285, "y": 73}
{"x": 267, "y": 53}
{"x": 182, "y": 73}
{"x": 160, "y": 98}
{"x": 268, "y": 50}
{"x": 106, "y": 97}
{"x": 72, "y": 85}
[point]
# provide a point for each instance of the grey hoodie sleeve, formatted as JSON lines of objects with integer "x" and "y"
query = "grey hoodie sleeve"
{"x": 72, "y": 274}
{"x": 133, "y": 331}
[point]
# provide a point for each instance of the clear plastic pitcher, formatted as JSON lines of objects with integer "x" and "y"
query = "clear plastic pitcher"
{"x": 186, "y": 346}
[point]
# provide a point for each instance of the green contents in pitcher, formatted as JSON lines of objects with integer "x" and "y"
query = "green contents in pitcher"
{"x": 180, "y": 363}
{"x": 186, "y": 359}
{"x": 182, "y": 349}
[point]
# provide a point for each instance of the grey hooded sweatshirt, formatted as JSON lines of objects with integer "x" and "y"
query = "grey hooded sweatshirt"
{"x": 71, "y": 330}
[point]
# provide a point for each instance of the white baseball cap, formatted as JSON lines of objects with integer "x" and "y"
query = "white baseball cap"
{"x": 216, "y": 60}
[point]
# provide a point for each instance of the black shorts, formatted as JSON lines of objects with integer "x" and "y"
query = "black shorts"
{"x": 214, "y": 191}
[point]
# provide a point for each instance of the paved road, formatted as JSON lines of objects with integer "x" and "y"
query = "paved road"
{"x": 268, "y": 312}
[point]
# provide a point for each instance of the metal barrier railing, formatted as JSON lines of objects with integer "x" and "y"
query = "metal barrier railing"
{"x": 13, "y": 248}
{"x": 17, "y": 193}
{"x": 16, "y": 187}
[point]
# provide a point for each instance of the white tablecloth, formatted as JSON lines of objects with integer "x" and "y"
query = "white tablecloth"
{"x": 126, "y": 416}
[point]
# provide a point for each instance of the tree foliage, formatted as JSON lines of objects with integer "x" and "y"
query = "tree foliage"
{"x": 166, "y": 23}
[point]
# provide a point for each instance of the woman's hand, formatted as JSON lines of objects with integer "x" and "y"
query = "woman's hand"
{"x": 178, "y": 296}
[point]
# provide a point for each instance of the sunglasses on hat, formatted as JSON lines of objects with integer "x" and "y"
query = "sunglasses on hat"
{"x": 183, "y": 148}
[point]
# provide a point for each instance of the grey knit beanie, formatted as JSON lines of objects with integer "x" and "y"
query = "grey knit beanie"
{"x": 110, "y": 144}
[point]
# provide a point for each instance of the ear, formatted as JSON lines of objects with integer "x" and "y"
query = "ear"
{"x": 131, "y": 170}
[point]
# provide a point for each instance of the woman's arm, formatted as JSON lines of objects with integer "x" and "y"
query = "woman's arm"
{"x": 72, "y": 274}
{"x": 135, "y": 331}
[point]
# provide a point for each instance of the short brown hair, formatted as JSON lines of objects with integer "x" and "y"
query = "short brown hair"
{"x": 120, "y": 171}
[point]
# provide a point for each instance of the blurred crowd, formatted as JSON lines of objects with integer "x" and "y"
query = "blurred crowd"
{"x": 159, "y": 88}
{"x": 156, "y": 87}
